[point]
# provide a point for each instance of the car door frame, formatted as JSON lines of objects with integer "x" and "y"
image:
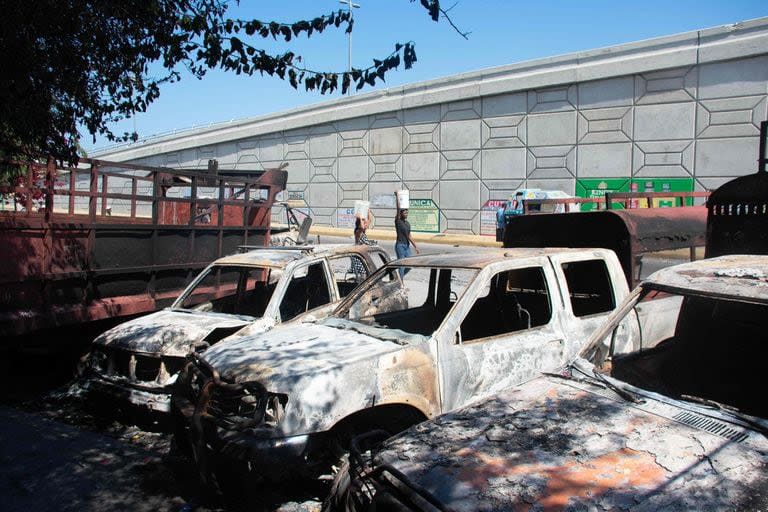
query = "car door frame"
{"x": 583, "y": 326}
{"x": 273, "y": 309}
{"x": 457, "y": 360}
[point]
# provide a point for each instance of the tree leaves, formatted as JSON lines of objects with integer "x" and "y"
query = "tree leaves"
{"x": 108, "y": 60}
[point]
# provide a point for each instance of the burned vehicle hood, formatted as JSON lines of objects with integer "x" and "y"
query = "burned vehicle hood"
{"x": 555, "y": 444}
{"x": 284, "y": 355}
{"x": 170, "y": 333}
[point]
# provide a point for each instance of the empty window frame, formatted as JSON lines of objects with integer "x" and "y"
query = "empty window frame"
{"x": 515, "y": 300}
{"x": 307, "y": 290}
{"x": 348, "y": 271}
{"x": 589, "y": 287}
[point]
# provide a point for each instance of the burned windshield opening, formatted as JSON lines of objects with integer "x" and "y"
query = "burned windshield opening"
{"x": 705, "y": 347}
{"x": 415, "y": 300}
{"x": 232, "y": 289}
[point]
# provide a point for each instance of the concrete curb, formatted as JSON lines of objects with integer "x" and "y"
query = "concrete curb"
{"x": 467, "y": 240}
{"x": 428, "y": 238}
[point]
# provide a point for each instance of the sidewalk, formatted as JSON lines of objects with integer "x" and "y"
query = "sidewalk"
{"x": 428, "y": 238}
{"x": 467, "y": 240}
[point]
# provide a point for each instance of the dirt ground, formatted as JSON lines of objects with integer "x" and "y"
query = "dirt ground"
{"x": 60, "y": 451}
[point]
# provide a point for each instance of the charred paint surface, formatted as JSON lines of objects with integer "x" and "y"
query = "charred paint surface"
{"x": 338, "y": 371}
{"x": 165, "y": 332}
{"x": 142, "y": 356}
{"x": 549, "y": 445}
{"x": 735, "y": 276}
{"x": 409, "y": 376}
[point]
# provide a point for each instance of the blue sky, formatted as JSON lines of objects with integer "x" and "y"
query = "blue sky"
{"x": 501, "y": 32}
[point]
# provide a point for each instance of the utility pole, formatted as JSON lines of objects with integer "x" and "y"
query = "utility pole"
{"x": 350, "y": 5}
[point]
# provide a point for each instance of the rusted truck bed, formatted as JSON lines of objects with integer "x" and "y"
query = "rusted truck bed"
{"x": 111, "y": 240}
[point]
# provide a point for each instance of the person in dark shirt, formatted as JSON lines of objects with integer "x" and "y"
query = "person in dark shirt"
{"x": 403, "y": 229}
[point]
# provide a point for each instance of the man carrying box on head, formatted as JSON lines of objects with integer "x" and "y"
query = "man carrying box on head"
{"x": 403, "y": 229}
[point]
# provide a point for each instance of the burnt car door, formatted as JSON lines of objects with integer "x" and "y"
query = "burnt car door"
{"x": 509, "y": 330}
{"x": 592, "y": 287}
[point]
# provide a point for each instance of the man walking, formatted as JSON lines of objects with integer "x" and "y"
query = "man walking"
{"x": 403, "y": 229}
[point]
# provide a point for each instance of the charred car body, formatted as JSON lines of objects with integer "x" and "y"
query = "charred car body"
{"x": 422, "y": 336}
{"x": 676, "y": 420}
{"x": 237, "y": 295}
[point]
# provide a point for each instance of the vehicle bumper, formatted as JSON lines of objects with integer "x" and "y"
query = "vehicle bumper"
{"x": 154, "y": 400}
{"x": 271, "y": 458}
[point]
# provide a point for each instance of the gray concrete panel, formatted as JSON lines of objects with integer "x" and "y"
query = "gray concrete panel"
{"x": 387, "y": 168}
{"x": 460, "y": 165}
{"x": 504, "y": 132}
{"x": 387, "y": 120}
{"x": 667, "y": 86}
{"x": 353, "y": 168}
{"x": 430, "y": 114}
{"x": 743, "y": 77}
{"x": 461, "y": 195}
{"x": 552, "y": 162}
{"x": 323, "y": 195}
{"x": 666, "y": 158}
{"x": 460, "y": 110}
{"x": 726, "y": 157}
{"x": 505, "y": 105}
{"x": 351, "y": 192}
{"x": 500, "y": 189}
{"x": 323, "y": 170}
{"x": 386, "y": 141}
{"x": 605, "y": 125}
{"x": 730, "y": 117}
{"x": 604, "y": 160}
{"x": 460, "y": 135}
{"x": 323, "y": 145}
{"x": 298, "y": 171}
{"x": 296, "y": 145}
{"x": 552, "y": 129}
{"x": 660, "y": 122}
{"x": 555, "y": 99}
{"x": 271, "y": 149}
{"x": 421, "y": 138}
{"x": 421, "y": 166}
{"x": 566, "y": 185}
{"x": 503, "y": 163}
{"x": 606, "y": 93}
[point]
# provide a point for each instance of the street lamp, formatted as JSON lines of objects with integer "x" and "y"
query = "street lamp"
{"x": 350, "y": 5}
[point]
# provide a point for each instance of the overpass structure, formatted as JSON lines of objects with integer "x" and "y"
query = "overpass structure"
{"x": 677, "y": 113}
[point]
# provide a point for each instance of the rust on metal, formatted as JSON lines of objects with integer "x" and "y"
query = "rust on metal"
{"x": 106, "y": 240}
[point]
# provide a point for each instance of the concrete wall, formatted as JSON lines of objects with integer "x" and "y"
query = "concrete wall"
{"x": 685, "y": 106}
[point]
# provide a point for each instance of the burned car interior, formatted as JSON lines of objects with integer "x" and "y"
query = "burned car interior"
{"x": 515, "y": 300}
{"x": 717, "y": 352}
{"x": 412, "y": 308}
{"x": 250, "y": 290}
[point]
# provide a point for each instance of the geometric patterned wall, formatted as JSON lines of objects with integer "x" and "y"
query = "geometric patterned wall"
{"x": 698, "y": 121}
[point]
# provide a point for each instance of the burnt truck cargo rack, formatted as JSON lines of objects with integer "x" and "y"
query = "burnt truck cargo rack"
{"x": 107, "y": 240}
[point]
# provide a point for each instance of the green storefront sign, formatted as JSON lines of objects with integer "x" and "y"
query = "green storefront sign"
{"x": 599, "y": 187}
{"x": 424, "y": 216}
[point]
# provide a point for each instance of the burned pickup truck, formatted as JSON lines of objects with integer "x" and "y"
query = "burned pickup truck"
{"x": 422, "y": 336}
{"x": 676, "y": 420}
{"x": 237, "y": 295}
